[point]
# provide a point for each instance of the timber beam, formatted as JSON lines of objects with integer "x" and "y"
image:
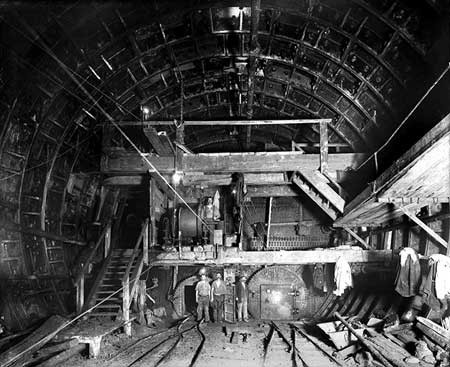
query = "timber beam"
{"x": 330, "y": 255}
{"x": 422, "y": 225}
{"x": 132, "y": 163}
{"x": 357, "y": 238}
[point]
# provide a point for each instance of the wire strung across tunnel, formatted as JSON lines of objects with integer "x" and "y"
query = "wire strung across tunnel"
{"x": 35, "y": 38}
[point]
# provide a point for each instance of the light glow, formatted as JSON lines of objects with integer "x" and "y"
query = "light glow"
{"x": 176, "y": 177}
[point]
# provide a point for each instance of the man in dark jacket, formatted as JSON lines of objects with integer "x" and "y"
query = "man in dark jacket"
{"x": 218, "y": 291}
{"x": 242, "y": 299}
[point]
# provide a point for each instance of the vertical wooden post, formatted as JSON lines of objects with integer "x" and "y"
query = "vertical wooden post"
{"x": 103, "y": 192}
{"x": 126, "y": 306}
{"x": 145, "y": 243}
{"x": 446, "y": 225}
{"x": 152, "y": 196}
{"x": 80, "y": 294}
{"x": 269, "y": 221}
{"x": 107, "y": 240}
{"x": 141, "y": 300}
{"x": 323, "y": 147}
{"x": 174, "y": 277}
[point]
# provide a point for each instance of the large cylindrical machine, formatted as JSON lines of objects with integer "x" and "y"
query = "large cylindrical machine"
{"x": 189, "y": 226}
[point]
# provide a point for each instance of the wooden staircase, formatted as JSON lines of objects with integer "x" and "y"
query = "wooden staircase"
{"x": 319, "y": 188}
{"x": 109, "y": 280}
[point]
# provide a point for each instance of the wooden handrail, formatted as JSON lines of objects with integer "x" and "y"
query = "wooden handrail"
{"x": 135, "y": 276}
{"x": 128, "y": 292}
{"x": 92, "y": 253}
{"x": 135, "y": 251}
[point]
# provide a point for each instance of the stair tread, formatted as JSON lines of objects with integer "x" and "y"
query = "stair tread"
{"x": 103, "y": 314}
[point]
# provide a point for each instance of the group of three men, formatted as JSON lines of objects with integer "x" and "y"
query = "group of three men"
{"x": 215, "y": 293}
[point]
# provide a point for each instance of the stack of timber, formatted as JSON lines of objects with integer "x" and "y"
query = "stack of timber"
{"x": 52, "y": 343}
{"x": 23, "y": 351}
{"x": 423, "y": 343}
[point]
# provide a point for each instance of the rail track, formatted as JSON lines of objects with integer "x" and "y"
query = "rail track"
{"x": 285, "y": 345}
{"x": 156, "y": 350}
{"x": 300, "y": 349}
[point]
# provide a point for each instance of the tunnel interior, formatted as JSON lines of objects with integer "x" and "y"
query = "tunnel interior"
{"x": 103, "y": 103}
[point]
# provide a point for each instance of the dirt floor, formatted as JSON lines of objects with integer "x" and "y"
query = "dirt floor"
{"x": 246, "y": 348}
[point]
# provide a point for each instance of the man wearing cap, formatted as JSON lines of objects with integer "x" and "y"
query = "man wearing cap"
{"x": 218, "y": 291}
{"x": 242, "y": 299}
{"x": 202, "y": 293}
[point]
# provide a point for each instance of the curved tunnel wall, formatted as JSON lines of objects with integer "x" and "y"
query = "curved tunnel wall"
{"x": 353, "y": 61}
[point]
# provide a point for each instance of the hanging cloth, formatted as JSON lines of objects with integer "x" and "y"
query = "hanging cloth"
{"x": 408, "y": 277}
{"x": 442, "y": 278}
{"x": 216, "y": 206}
{"x": 342, "y": 276}
{"x": 318, "y": 276}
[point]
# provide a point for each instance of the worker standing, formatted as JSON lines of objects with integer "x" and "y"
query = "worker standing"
{"x": 202, "y": 294}
{"x": 242, "y": 299}
{"x": 218, "y": 291}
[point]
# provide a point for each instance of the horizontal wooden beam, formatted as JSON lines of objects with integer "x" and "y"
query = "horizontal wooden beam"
{"x": 199, "y": 178}
{"x": 232, "y": 256}
{"x": 224, "y": 122}
{"x": 272, "y": 190}
{"x": 133, "y": 180}
{"x": 131, "y": 162}
{"x": 414, "y": 200}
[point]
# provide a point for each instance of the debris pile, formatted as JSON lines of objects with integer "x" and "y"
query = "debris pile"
{"x": 382, "y": 342}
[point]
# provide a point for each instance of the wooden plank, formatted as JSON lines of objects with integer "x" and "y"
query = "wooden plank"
{"x": 323, "y": 129}
{"x": 426, "y": 178}
{"x": 131, "y": 162}
{"x": 63, "y": 356}
{"x": 152, "y": 214}
{"x": 320, "y": 182}
{"x": 357, "y": 238}
{"x": 224, "y": 122}
{"x": 438, "y": 132}
{"x": 283, "y": 257}
{"x": 437, "y": 337}
{"x": 123, "y": 181}
{"x": 33, "y": 342}
{"x": 275, "y": 191}
{"x": 199, "y": 178}
{"x": 269, "y": 221}
{"x": 408, "y": 179}
{"x": 305, "y": 188}
{"x": 160, "y": 144}
{"x": 126, "y": 306}
{"x": 422, "y": 225}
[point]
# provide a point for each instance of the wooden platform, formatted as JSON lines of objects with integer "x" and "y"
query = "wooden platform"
{"x": 90, "y": 332}
{"x": 420, "y": 177}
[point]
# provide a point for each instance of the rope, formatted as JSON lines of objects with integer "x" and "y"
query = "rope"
{"x": 70, "y": 322}
{"x": 406, "y": 117}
